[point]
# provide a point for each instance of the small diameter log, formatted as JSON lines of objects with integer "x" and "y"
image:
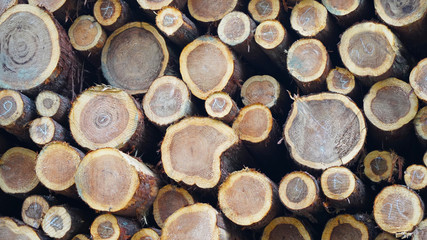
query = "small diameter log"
{"x": 195, "y": 222}
{"x": 249, "y": 199}
{"x": 207, "y": 65}
{"x": 136, "y": 40}
{"x": 398, "y": 209}
{"x": 167, "y": 101}
{"x": 34, "y": 209}
{"x": 56, "y": 167}
{"x": 388, "y": 236}
{"x": 308, "y": 63}
{"x": 310, "y": 19}
{"x": 45, "y": 130}
{"x": 390, "y": 106}
{"x": 6, "y": 4}
{"x": 169, "y": 200}
{"x": 284, "y": 228}
{"x": 420, "y": 232}
{"x": 300, "y": 193}
{"x": 42, "y": 58}
{"x": 176, "y": 26}
{"x": 266, "y": 90}
{"x": 110, "y": 180}
{"x": 418, "y": 81}
{"x": 349, "y": 12}
{"x": 211, "y": 11}
{"x": 112, "y": 14}
{"x": 263, "y": 10}
{"x": 201, "y": 152}
{"x": 416, "y": 177}
{"x": 146, "y": 234}
{"x": 17, "y": 171}
{"x": 274, "y": 40}
{"x": 221, "y": 106}
{"x": 372, "y": 53}
{"x": 345, "y": 225}
{"x": 104, "y": 116}
{"x": 324, "y": 130}
{"x": 88, "y": 37}
{"x": 63, "y": 222}
{"x": 340, "y": 80}
{"x": 16, "y": 111}
{"x": 81, "y": 237}
{"x": 110, "y": 227}
{"x": 51, "y": 104}
{"x": 381, "y": 166}
{"x": 14, "y": 229}
{"x": 420, "y": 122}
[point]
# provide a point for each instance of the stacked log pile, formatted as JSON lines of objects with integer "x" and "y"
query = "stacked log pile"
{"x": 208, "y": 120}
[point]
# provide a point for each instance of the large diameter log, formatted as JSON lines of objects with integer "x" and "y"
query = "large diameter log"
{"x": 17, "y": 171}
{"x": 420, "y": 122}
{"x": 308, "y": 63}
{"x": 110, "y": 180}
{"x": 136, "y": 40}
{"x": 207, "y": 65}
{"x": 201, "y": 152}
{"x": 45, "y": 130}
{"x": 211, "y": 11}
{"x": 398, "y": 209}
{"x": 381, "y": 166}
{"x": 373, "y": 53}
{"x": 34, "y": 209}
{"x": 6, "y": 4}
{"x": 104, "y": 116}
{"x": 51, "y": 104}
{"x": 111, "y": 14}
{"x": 249, "y": 198}
{"x": 417, "y": 79}
{"x": 63, "y": 222}
{"x": 220, "y": 105}
{"x": 284, "y": 228}
{"x": 36, "y": 51}
{"x": 324, "y": 130}
{"x": 14, "y": 229}
{"x": 344, "y": 226}
{"x": 349, "y": 12}
{"x": 110, "y": 227}
{"x": 263, "y": 10}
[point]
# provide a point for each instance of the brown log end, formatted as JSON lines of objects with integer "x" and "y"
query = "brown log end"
{"x": 420, "y": 232}
{"x": 425, "y": 159}
{"x": 50, "y": 5}
{"x": 51, "y": 104}
{"x": 390, "y": 104}
{"x": 45, "y": 130}
{"x": 387, "y": 236}
{"x": 110, "y": 180}
{"x": 338, "y": 183}
{"x": 16, "y": 111}
{"x": 10, "y": 230}
{"x": 192, "y": 151}
{"x": 58, "y": 154}
{"x": 34, "y": 209}
{"x": 146, "y": 234}
{"x": 284, "y": 227}
{"x": 420, "y": 122}
{"x": 308, "y": 18}
{"x": 341, "y": 8}
{"x": 169, "y": 20}
{"x": 154, "y": 5}
{"x": 263, "y": 10}
{"x": 313, "y": 137}
{"x": 58, "y": 222}
{"x": 254, "y": 123}
{"x": 136, "y": 40}
{"x": 221, "y": 106}
{"x": 416, "y": 177}
{"x": 169, "y": 200}
{"x": 87, "y": 36}
{"x": 110, "y": 13}
{"x": 235, "y": 28}
{"x": 344, "y": 226}
{"x": 340, "y": 80}
{"x": 270, "y": 34}
{"x": 103, "y": 116}
{"x": 207, "y": 65}
{"x": 417, "y": 79}
{"x": 110, "y": 227}
{"x": 380, "y": 166}
{"x": 398, "y": 209}
{"x": 308, "y": 63}
{"x": 167, "y": 101}
{"x": 249, "y": 198}
{"x": 17, "y": 171}
{"x": 262, "y": 89}
{"x": 6, "y": 4}
{"x": 81, "y": 237}
{"x": 210, "y": 11}
{"x": 400, "y": 14}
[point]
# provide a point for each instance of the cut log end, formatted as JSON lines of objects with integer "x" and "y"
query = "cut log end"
{"x": 80, "y": 237}
{"x": 57, "y": 222}
{"x": 235, "y": 28}
{"x": 343, "y": 226}
{"x": 221, "y": 106}
{"x": 338, "y": 183}
{"x": 402, "y": 13}
{"x": 11, "y": 107}
{"x": 420, "y": 123}
{"x": 209, "y": 11}
{"x": 10, "y": 230}
{"x": 420, "y": 232}
{"x": 154, "y": 5}
{"x": 416, "y": 177}
{"x": 270, "y": 34}
{"x": 387, "y": 236}
{"x": 45, "y": 130}
{"x": 417, "y": 80}
{"x": 105, "y": 227}
{"x": 262, "y": 89}
{"x": 340, "y": 80}
{"x": 50, "y": 5}
{"x": 192, "y": 149}
{"x": 398, "y": 209}
{"x": 167, "y": 101}
{"x": 254, "y": 123}
{"x": 263, "y": 10}
{"x": 50, "y": 157}
{"x": 341, "y": 8}
{"x": 380, "y": 166}
{"x": 390, "y": 104}
{"x": 33, "y": 210}
{"x": 247, "y": 198}
{"x": 169, "y": 200}
{"x": 308, "y": 18}
{"x": 299, "y": 191}
{"x": 51, "y": 104}
{"x": 169, "y": 20}
{"x": 17, "y": 174}
{"x": 283, "y": 227}
{"x": 6, "y": 4}
{"x": 329, "y": 146}
{"x": 87, "y": 35}
{"x": 146, "y": 234}
{"x": 107, "y": 12}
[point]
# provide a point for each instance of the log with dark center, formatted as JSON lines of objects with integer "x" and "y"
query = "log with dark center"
{"x": 286, "y": 228}
{"x": 420, "y": 232}
{"x": 211, "y": 11}
{"x": 17, "y": 174}
{"x": 420, "y": 122}
{"x": 381, "y": 166}
{"x": 146, "y": 234}
{"x": 34, "y": 209}
{"x": 136, "y": 40}
{"x": 348, "y": 12}
{"x": 169, "y": 200}
{"x": 110, "y": 180}
{"x": 398, "y": 209}
{"x": 372, "y": 53}
{"x": 324, "y": 130}
{"x": 63, "y": 222}
{"x": 110, "y": 227}
{"x": 263, "y": 10}
{"x": 11, "y": 228}
{"x": 340, "y": 80}
{"x": 45, "y": 130}
{"x": 417, "y": 79}
{"x": 112, "y": 14}
{"x": 308, "y": 63}
{"x": 221, "y": 106}
{"x": 51, "y": 104}
{"x": 416, "y": 177}
{"x": 347, "y": 227}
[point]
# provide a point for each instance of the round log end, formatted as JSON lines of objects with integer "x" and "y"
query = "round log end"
{"x": 219, "y": 105}
{"x": 340, "y": 80}
{"x": 341, "y": 8}
{"x": 34, "y": 209}
{"x": 343, "y": 226}
{"x": 380, "y": 166}
{"x": 283, "y": 227}
{"x": 80, "y": 237}
{"x": 338, "y": 183}
{"x": 254, "y": 123}
{"x": 57, "y": 222}
{"x": 416, "y": 177}
{"x": 11, "y": 107}
{"x": 417, "y": 79}
{"x": 154, "y": 5}
{"x": 48, "y": 103}
{"x": 263, "y": 10}
{"x": 146, "y": 234}
{"x": 270, "y": 34}
{"x": 420, "y": 123}
{"x": 386, "y": 236}
{"x": 105, "y": 227}
{"x": 262, "y": 89}
{"x": 42, "y": 130}
{"x": 85, "y": 33}
{"x": 10, "y": 230}
{"x": 107, "y": 12}
{"x": 420, "y": 232}
{"x": 308, "y": 18}
{"x": 234, "y": 28}
{"x": 210, "y": 11}
{"x": 169, "y": 20}
{"x": 298, "y": 191}
{"x": 50, "y": 5}
{"x": 400, "y": 14}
